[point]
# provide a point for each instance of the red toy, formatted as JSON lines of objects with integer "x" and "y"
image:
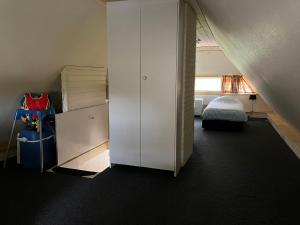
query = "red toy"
{"x": 36, "y": 103}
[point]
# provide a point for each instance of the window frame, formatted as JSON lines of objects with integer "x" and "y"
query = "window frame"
{"x": 199, "y": 92}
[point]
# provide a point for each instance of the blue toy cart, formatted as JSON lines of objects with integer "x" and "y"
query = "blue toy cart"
{"x": 41, "y": 115}
{"x": 29, "y": 149}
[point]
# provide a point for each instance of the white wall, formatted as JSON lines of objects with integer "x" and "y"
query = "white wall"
{"x": 212, "y": 61}
{"x": 39, "y": 37}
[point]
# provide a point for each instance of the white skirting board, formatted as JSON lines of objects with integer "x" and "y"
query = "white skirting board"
{"x": 79, "y": 131}
{"x": 288, "y": 133}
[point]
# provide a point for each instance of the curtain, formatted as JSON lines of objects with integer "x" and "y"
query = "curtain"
{"x": 235, "y": 84}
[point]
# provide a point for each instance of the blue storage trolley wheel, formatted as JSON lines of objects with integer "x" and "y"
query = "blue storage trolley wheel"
{"x": 29, "y": 143}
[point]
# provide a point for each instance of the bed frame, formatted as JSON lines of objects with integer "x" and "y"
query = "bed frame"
{"x": 222, "y": 125}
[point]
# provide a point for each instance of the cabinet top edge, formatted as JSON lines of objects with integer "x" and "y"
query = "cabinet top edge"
{"x": 140, "y": 1}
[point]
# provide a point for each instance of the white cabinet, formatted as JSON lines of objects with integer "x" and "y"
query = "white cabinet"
{"x": 146, "y": 74}
{"x": 124, "y": 82}
{"x": 158, "y": 92}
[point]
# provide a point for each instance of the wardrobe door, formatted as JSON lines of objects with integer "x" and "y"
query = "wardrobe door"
{"x": 124, "y": 82}
{"x": 158, "y": 94}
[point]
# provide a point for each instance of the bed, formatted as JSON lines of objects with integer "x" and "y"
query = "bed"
{"x": 224, "y": 112}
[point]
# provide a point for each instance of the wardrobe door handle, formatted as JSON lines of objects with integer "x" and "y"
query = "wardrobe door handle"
{"x": 145, "y": 77}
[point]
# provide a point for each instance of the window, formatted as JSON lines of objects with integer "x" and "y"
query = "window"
{"x": 231, "y": 84}
{"x": 208, "y": 84}
{"x": 235, "y": 84}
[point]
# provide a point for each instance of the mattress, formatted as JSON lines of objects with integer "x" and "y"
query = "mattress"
{"x": 225, "y": 108}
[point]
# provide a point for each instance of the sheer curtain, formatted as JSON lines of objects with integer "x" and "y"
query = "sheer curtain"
{"x": 235, "y": 84}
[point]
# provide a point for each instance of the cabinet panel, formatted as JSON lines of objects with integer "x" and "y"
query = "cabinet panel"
{"x": 124, "y": 82}
{"x": 188, "y": 84}
{"x": 159, "y": 24}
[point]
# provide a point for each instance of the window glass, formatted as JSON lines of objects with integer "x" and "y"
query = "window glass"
{"x": 207, "y": 84}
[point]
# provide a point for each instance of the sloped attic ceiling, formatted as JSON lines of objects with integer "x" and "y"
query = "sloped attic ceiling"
{"x": 262, "y": 39}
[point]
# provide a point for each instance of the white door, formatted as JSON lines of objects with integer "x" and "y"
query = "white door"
{"x": 124, "y": 82}
{"x": 158, "y": 91}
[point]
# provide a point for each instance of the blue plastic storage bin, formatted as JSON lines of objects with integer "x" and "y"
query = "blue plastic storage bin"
{"x": 30, "y": 149}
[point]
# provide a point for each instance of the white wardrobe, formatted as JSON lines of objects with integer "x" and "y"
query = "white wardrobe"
{"x": 151, "y": 58}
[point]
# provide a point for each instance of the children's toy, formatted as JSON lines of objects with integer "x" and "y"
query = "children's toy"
{"x": 38, "y": 103}
{"x": 35, "y": 112}
{"x": 29, "y": 149}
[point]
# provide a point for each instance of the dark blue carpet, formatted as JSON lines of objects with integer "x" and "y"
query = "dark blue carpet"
{"x": 236, "y": 178}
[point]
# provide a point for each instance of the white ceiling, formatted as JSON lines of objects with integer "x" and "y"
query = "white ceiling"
{"x": 205, "y": 37}
{"x": 204, "y": 34}
{"x": 261, "y": 38}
